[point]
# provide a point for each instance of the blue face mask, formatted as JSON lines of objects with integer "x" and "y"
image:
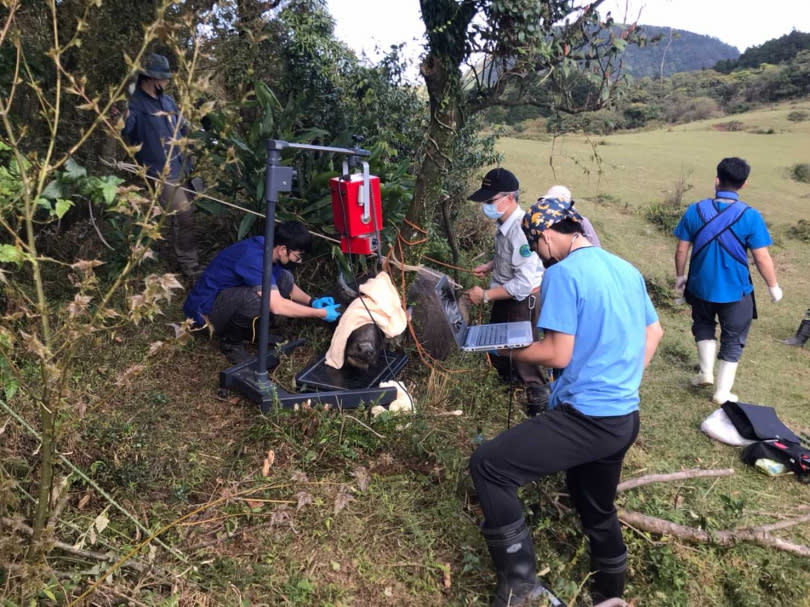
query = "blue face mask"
{"x": 491, "y": 210}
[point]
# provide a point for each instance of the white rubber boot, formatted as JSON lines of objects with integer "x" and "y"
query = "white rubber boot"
{"x": 707, "y": 352}
{"x": 725, "y": 379}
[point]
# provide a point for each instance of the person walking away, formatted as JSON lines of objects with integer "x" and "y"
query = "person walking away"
{"x": 516, "y": 274}
{"x": 154, "y": 122}
{"x": 720, "y": 231}
{"x": 601, "y": 329}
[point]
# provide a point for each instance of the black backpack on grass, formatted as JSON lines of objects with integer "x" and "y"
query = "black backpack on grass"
{"x": 774, "y": 440}
{"x": 795, "y": 457}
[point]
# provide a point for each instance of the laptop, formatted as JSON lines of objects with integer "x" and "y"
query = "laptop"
{"x": 479, "y": 338}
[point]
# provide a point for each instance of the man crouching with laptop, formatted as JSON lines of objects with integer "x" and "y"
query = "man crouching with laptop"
{"x": 602, "y": 330}
{"x": 515, "y": 278}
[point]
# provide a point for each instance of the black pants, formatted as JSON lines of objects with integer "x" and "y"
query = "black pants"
{"x": 510, "y": 310}
{"x": 235, "y": 312}
{"x": 589, "y": 449}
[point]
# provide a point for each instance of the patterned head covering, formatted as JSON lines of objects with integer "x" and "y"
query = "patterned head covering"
{"x": 544, "y": 214}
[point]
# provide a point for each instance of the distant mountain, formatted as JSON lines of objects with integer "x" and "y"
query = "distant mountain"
{"x": 679, "y": 50}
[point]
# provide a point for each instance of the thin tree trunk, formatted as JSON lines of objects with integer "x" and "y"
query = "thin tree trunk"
{"x": 450, "y": 232}
{"x": 441, "y": 135}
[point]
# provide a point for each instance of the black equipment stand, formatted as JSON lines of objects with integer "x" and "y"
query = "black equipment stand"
{"x": 250, "y": 378}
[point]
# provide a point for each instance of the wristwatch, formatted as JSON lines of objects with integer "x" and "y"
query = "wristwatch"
{"x": 485, "y": 297}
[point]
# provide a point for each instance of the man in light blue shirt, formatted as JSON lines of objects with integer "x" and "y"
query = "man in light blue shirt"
{"x": 602, "y": 330}
{"x": 720, "y": 231}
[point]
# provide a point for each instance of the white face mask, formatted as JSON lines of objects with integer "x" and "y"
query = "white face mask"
{"x": 490, "y": 209}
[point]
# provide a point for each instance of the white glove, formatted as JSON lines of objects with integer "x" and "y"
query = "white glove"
{"x": 776, "y": 293}
{"x": 680, "y": 284}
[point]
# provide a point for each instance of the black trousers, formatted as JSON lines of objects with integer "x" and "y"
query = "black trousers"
{"x": 510, "y": 310}
{"x": 589, "y": 449}
{"x": 235, "y": 312}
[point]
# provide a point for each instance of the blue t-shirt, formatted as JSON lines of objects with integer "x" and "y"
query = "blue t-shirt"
{"x": 239, "y": 265}
{"x": 714, "y": 275}
{"x": 602, "y": 301}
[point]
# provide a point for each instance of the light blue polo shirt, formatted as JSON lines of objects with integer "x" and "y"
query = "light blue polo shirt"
{"x": 602, "y": 301}
{"x": 714, "y": 275}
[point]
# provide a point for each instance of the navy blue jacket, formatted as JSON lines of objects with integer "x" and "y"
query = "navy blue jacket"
{"x": 239, "y": 265}
{"x": 152, "y": 124}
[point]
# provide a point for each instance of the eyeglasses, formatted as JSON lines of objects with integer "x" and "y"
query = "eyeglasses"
{"x": 495, "y": 199}
{"x": 295, "y": 256}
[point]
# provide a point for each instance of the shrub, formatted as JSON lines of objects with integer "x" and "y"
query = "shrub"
{"x": 798, "y": 116}
{"x": 665, "y": 215}
{"x": 801, "y": 231}
{"x": 602, "y": 122}
{"x": 800, "y": 172}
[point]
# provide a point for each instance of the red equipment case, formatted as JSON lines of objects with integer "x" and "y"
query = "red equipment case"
{"x": 357, "y": 222}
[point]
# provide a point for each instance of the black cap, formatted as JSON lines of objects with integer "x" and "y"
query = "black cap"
{"x": 496, "y": 181}
{"x": 156, "y": 66}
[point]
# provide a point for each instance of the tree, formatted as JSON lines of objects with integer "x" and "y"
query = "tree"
{"x": 516, "y": 52}
{"x": 57, "y": 304}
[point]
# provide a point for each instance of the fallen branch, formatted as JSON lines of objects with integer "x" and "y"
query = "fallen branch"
{"x": 88, "y": 554}
{"x": 674, "y": 476}
{"x": 729, "y": 537}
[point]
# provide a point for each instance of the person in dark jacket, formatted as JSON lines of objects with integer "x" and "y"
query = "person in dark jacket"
{"x": 154, "y": 122}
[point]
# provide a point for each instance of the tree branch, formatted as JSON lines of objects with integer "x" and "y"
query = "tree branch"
{"x": 728, "y": 537}
{"x": 674, "y": 476}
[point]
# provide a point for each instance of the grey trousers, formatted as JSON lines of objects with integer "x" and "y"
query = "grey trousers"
{"x": 735, "y": 321}
{"x": 175, "y": 200}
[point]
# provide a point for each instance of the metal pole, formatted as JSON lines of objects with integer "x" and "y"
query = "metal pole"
{"x": 271, "y": 198}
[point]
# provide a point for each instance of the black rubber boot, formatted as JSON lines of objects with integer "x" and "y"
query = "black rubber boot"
{"x": 512, "y": 553}
{"x": 232, "y": 342}
{"x": 537, "y": 399}
{"x": 608, "y": 577}
{"x": 235, "y": 352}
{"x": 802, "y": 335}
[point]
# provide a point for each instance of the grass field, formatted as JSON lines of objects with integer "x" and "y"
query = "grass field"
{"x": 381, "y": 512}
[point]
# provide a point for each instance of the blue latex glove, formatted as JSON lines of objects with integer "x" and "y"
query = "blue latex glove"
{"x": 322, "y": 302}
{"x": 332, "y": 313}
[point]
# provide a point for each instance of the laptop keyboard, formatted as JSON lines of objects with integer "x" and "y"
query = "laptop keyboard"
{"x": 491, "y": 334}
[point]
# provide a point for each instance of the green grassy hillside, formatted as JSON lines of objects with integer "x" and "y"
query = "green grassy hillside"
{"x": 638, "y": 168}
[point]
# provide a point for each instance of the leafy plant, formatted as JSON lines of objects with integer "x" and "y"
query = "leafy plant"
{"x": 800, "y": 172}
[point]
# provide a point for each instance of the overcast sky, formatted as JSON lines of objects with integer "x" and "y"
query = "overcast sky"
{"x": 364, "y": 24}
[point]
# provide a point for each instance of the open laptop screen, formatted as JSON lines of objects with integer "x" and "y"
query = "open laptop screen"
{"x": 449, "y": 305}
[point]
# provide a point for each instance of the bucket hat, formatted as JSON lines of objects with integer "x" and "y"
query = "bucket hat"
{"x": 156, "y": 66}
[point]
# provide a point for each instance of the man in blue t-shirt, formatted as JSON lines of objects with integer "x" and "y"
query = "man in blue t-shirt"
{"x": 599, "y": 327}
{"x": 720, "y": 232}
{"x": 227, "y": 296}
